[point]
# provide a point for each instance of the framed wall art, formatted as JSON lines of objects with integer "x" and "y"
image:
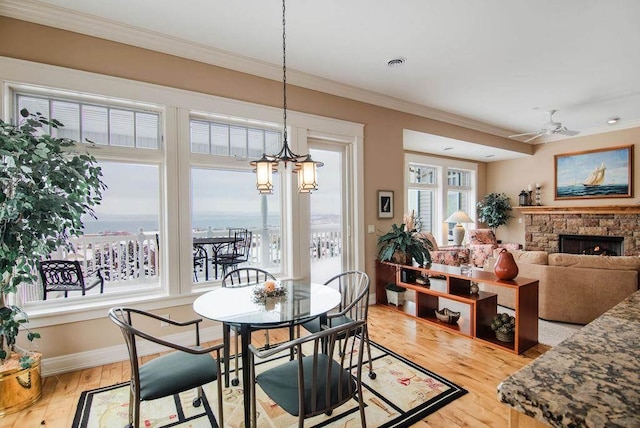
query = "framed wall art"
{"x": 385, "y": 204}
{"x": 601, "y": 173}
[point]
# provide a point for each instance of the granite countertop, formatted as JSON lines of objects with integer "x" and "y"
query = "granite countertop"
{"x": 591, "y": 379}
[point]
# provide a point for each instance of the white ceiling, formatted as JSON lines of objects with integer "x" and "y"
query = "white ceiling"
{"x": 492, "y": 65}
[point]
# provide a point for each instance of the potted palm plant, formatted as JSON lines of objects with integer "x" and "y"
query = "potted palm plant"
{"x": 404, "y": 243}
{"x": 46, "y": 188}
{"x": 494, "y": 209}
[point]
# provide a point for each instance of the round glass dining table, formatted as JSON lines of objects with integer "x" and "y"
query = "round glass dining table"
{"x": 240, "y": 306}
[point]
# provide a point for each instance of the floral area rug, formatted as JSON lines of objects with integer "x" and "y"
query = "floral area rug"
{"x": 401, "y": 394}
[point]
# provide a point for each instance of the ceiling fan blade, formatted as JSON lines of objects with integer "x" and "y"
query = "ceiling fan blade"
{"x": 534, "y": 137}
{"x": 522, "y": 135}
{"x": 567, "y": 132}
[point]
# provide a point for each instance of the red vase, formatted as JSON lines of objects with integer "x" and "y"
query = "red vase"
{"x": 506, "y": 267}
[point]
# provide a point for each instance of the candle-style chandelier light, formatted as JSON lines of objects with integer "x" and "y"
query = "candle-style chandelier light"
{"x": 305, "y": 167}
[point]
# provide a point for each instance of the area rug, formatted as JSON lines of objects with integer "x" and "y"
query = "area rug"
{"x": 402, "y": 394}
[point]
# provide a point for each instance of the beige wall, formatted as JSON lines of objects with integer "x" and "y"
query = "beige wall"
{"x": 513, "y": 176}
{"x": 383, "y": 129}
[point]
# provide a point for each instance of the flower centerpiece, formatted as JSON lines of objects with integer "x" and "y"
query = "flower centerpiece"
{"x": 268, "y": 294}
{"x": 505, "y": 326}
{"x": 404, "y": 243}
{"x": 268, "y": 289}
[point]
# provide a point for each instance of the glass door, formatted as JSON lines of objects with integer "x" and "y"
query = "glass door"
{"x": 328, "y": 249}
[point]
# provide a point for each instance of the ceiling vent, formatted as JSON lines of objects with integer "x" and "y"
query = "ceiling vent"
{"x": 396, "y": 62}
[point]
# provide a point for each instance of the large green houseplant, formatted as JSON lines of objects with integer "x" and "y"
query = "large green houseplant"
{"x": 404, "y": 243}
{"x": 46, "y": 188}
{"x": 494, "y": 210}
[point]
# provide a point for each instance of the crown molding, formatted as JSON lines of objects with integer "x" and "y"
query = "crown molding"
{"x": 57, "y": 17}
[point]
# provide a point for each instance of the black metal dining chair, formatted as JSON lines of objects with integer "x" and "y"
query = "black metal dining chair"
{"x": 182, "y": 369}
{"x": 242, "y": 277}
{"x": 354, "y": 305}
{"x": 66, "y": 275}
{"x": 319, "y": 379}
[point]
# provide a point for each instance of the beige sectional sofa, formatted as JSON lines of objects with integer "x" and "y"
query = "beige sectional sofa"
{"x": 573, "y": 288}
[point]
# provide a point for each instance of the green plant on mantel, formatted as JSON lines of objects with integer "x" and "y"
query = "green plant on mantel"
{"x": 46, "y": 188}
{"x": 494, "y": 209}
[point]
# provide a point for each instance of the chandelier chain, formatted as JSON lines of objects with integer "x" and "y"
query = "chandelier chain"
{"x": 284, "y": 69}
{"x": 305, "y": 167}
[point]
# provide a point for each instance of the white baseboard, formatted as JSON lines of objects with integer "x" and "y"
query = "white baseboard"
{"x": 113, "y": 354}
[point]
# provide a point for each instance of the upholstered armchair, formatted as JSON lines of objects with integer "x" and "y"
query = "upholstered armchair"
{"x": 448, "y": 255}
{"x": 482, "y": 242}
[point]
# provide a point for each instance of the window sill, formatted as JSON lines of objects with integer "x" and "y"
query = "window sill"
{"x": 87, "y": 309}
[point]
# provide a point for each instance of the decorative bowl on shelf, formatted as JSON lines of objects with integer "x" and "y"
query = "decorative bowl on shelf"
{"x": 505, "y": 337}
{"x": 447, "y": 315}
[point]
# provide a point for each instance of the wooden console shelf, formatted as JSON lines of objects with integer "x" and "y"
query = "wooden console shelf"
{"x": 448, "y": 283}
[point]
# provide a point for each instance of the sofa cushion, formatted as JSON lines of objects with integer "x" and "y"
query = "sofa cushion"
{"x": 595, "y": 262}
{"x": 522, "y": 256}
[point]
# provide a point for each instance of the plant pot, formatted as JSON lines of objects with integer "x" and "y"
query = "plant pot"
{"x": 19, "y": 388}
{"x": 401, "y": 258}
{"x": 395, "y": 297}
{"x": 504, "y": 337}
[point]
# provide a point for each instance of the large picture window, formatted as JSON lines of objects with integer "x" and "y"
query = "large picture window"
{"x": 123, "y": 241}
{"x": 436, "y": 188}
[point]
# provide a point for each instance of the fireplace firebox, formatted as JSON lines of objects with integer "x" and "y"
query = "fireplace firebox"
{"x": 592, "y": 245}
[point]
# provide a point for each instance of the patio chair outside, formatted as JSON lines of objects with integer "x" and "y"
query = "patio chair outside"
{"x": 238, "y": 252}
{"x": 66, "y": 275}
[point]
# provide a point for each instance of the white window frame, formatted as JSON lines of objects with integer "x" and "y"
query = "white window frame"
{"x": 229, "y": 162}
{"x": 441, "y": 188}
{"x": 176, "y": 106}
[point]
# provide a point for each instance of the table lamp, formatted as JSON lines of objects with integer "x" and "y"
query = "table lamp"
{"x": 458, "y": 217}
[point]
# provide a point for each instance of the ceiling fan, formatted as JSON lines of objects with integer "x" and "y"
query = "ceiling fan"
{"x": 548, "y": 128}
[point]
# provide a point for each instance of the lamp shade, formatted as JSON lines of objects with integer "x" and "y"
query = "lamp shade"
{"x": 458, "y": 217}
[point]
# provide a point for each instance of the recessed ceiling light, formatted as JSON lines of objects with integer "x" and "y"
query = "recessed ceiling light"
{"x": 613, "y": 120}
{"x": 396, "y": 62}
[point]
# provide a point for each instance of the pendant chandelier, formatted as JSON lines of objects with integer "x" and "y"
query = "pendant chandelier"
{"x": 305, "y": 167}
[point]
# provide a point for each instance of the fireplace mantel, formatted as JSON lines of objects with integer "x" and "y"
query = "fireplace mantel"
{"x": 603, "y": 209}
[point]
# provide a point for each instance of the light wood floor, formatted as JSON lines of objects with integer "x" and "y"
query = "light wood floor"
{"x": 475, "y": 367}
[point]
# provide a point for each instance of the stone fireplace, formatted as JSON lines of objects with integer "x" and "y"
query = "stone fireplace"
{"x": 545, "y": 225}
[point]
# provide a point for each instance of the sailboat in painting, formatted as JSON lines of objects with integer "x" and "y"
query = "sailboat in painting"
{"x": 596, "y": 177}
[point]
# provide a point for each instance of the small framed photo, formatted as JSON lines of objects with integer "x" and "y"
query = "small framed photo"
{"x": 385, "y": 204}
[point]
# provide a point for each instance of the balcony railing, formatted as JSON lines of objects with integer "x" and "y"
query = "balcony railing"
{"x": 129, "y": 260}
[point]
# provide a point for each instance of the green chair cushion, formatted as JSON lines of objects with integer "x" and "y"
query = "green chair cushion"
{"x": 176, "y": 372}
{"x": 313, "y": 326}
{"x": 281, "y": 384}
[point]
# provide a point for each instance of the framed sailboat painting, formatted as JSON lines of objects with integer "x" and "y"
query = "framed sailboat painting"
{"x": 601, "y": 173}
